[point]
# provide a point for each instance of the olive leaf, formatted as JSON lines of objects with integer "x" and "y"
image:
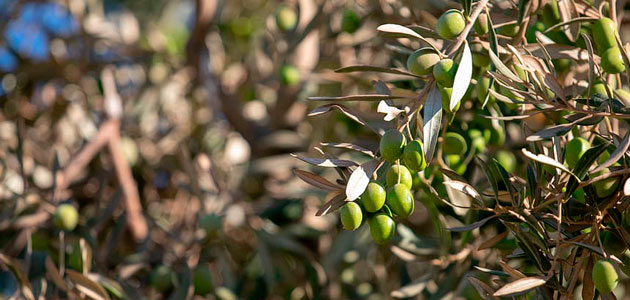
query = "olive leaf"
{"x": 583, "y": 164}
{"x": 626, "y": 187}
{"x": 391, "y": 112}
{"x": 552, "y": 131}
{"x": 473, "y": 225}
{"x": 316, "y": 180}
{"x": 465, "y": 188}
{"x": 544, "y": 159}
{"x": 371, "y": 97}
{"x": 367, "y": 68}
{"x": 505, "y": 71}
{"x": 403, "y": 31}
{"x": 616, "y": 155}
{"x": 350, "y": 146}
{"x": 87, "y": 286}
{"x": 412, "y": 289}
{"x": 360, "y": 178}
{"x": 432, "y": 121}
{"x": 334, "y": 200}
{"x": 325, "y": 162}
{"x": 520, "y": 286}
{"x": 481, "y": 287}
{"x": 462, "y": 77}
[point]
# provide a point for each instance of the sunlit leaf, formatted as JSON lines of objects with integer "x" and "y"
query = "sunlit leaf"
{"x": 432, "y": 122}
{"x": 520, "y": 286}
{"x": 462, "y": 77}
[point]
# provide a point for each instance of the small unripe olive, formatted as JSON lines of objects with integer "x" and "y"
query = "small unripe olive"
{"x": 530, "y": 33}
{"x": 605, "y": 277}
{"x": 450, "y": 24}
{"x": 400, "y": 200}
{"x": 444, "y": 72}
{"x": 605, "y": 188}
{"x": 350, "y": 21}
{"x": 286, "y": 17}
{"x": 351, "y": 216}
{"x": 289, "y": 75}
{"x": 373, "y": 198}
{"x": 211, "y": 223}
{"x": 382, "y": 228}
{"x": 162, "y": 278}
{"x": 413, "y": 156}
{"x": 398, "y": 174}
{"x": 574, "y": 150}
{"x": 477, "y": 140}
{"x": 481, "y": 24}
{"x": 598, "y": 88}
{"x": 507, "y": 160}
{"x": 421, "y": 62}
{"x": 562, "y": 65}
{"x": 417, "y": 181}
{"x": 392, "y": 145}
{"x": 604, "y": 32}
{"x": 202, "y": 280}
{"x": 612, "y": 62}
{"x": 479, "y": 56}
{"x": 445, "y": 96}
{"x": 66, "y": 217}
{"x": 454, "y": 143}
{"x": 483, "y": 85}
{"x": 612, "y": 242}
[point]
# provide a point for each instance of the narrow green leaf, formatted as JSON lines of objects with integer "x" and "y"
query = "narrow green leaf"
{"x": 432, "y": 121}
{"x": 462, "y": 77}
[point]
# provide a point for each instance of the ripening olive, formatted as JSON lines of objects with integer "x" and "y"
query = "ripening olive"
{"x": 286, "y": 17}
{"x": 350, "y": 21}
{"x": 605, "y": 188}
{"x": 454, "y": 143}
{"x": 483, "y": 84}
{"x": 66, "y": 217}
{"x": 444, "y": 72}
{"x": 413, "y": 156}
{"x": 604, "y": 276}
{"x": 289, "y": 75}
{"x": 373, "y": 198}
{"x": 351, "y": 216}
{"x": 162, "y": 278}
{"x": 612, "y": 242}
{"x": 400, "y": 200}
{"x": 398, "y": 174}
{"x": 382, "y": 228}
{"x": 421, "y": 62}
{"x": 604, "y": 32}
{"x": 202, "y": 280}
{"x": 481, "y": 24}
{"x": 392, "y": 145}
{"x": 599, "y": 88}
{"x": 507, "y": 160}
{"x": 450, "y": 24}
{"x": 574, "y": 150}
{"x": 612, "y": 62}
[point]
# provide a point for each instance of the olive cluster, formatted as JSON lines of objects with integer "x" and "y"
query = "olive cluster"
{"x": 382, "y": 200}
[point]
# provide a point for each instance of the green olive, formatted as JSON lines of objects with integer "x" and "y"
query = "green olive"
{"x": 66, "y": 217}
{"x": 445, "y": 96}
{"x": 289, "y": 75}
{"x": 373, "y": 198}
{"x": 202, "y": 280}
{"x": 477, "y": 141}
{"x": 623, "y": 96}
{"x": 210, "y": 223}
{"x": 604, "y": 33}
{"x": 481, "y": 24}
{"x": 574, "y": 150}
{"x": 382, "y": 228}
{"x": 612, "y": 62}
{"x": 612, "y": 242}
{"x": 413, "y": 156}
{"x": 494, "y": 136}
{"x": 400, "y": 200}
{"x": 421, "y": 62}
{"x": 444, "y": 72}
{"x": 508, "y": 30}
{"x": 351, "y": 216}
{"x": 479, "y": 56}
{"x": 483, "y": 84}
{"x": 162, "y": 278}
{"x": 599, "y": 88}
{"x": 456, "y": 163}
{"x": 450, "y": 24}
{"x": 605, "y": 188}
{"x": 507, "y": 160}
{"x": 392, "y": 145}
{"x": 454, "y": 143}
{"x": 350, "y": 21}
{"x": 417, "y": 181}
{"x": 286, "y": 17}
{"x": 625, "y": 259}
{"x": 605, "y": 277}
{"x": 398, "y": 174}
{"x": 562, "y": 65}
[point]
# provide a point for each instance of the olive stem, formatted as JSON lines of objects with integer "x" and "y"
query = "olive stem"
{"x": 62, "y": 253}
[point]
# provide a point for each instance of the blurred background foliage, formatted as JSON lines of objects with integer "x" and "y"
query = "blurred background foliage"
{"x": 212, "y": 100}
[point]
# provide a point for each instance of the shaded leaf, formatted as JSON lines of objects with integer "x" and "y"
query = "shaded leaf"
{"x": 334, "y": 200}
{"x": 87, "y": 286}
{"x": 366, "y": 68}
{"x": 432, "y": 122}
{"x": 520, "y": 286}
{"x": 350, "y": 146}
{"x": 473, "y": 225}
{"x": 484, "y": 290}
{"x": 616, "y": 155}
{"x": 544, "y": 159}
{"x": 316, "y": 180}
{"x": 583, "y": 164}
{"x": 412, "y": 289}
{"x": 558, "y": 130}
{"x": 465, "y": 188}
